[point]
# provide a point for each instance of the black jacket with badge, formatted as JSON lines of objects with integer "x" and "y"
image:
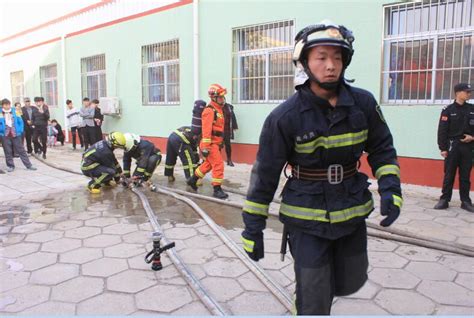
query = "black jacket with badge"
{"x": 306, "y": 131}
{"x": 455, "y": 121}
{"x": 141, "y": 152}
{"x": 102, "y": 154}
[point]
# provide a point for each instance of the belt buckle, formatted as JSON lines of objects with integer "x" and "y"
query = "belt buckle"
{"x": 335, "y": 174}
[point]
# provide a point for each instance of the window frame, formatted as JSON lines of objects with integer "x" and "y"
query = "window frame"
{"x": 85, "y": 89}
{"x": 19, "y": 85}
{"x": 238, "y": 55}
{"x": 456, "y": 32}
{"x": 166, "y": 64}
{"x": 54, "y": 80}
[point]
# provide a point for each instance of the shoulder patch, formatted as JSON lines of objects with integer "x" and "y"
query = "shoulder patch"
{"x": 379, "y": 111}
{"x": 444, "y": 118}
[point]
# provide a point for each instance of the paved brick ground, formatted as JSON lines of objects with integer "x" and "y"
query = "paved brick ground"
{"x": 64, "y": 251}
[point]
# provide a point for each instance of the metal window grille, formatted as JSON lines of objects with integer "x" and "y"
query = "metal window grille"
{"x": 93, "y": 77}
{"x": 49, "y": 84}
{"x": 18, "y": 86}
{"x": 160, "y": 73}
{"x": 262, "y": 66}
{"x": 428, "y": 48}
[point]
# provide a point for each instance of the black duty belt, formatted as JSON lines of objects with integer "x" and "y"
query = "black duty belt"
{"x": 217, "y": 133}
{"x": 334, "y": 174}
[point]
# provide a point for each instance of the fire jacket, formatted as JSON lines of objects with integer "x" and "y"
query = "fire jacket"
{"x": 212, "y": 125}
{"x": 306, "y": 131}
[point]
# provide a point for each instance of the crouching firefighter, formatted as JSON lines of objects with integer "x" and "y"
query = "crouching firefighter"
{"x": 212, "y": 141}
{"x": 147, "y": 157}
{"x": 321, "y": 132}
{"x": 99, "y": 162}
{"x": 181, "y": 143}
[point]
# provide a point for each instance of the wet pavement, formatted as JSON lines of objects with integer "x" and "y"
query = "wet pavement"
{"x": 64, "y": 251}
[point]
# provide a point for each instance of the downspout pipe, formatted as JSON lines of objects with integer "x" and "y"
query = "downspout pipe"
{"x": 196, "y": 49}
{"x": 63, "y": 75}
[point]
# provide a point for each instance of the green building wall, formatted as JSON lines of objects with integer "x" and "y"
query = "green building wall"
{"x": 413, "y": 127}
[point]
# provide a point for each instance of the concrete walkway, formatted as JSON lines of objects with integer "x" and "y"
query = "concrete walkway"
{"x": 64, "y": 251}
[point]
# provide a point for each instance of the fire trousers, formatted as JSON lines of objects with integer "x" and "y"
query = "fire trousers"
{"x": 213, "y": 162}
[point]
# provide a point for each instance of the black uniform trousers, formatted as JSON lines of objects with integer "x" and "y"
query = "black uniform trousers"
{"x": 176, "y": 147}
{"x": 152, "y": 162}
{"x": 460, "y": 156}
{"x": 90, "y": 136}
{"x": 40, "y": 138}
{"x": 28, "y": 136}
{"x": 228, "y": 147}
{"x": 100, "y": 175}
{"x": 327, "y": 268}
{"x": 79, "y": 133}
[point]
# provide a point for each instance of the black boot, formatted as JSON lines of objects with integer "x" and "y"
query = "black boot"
{"x": 192, "y": 182}
{"x": 218, "y": 193}
{"x": 467, "y": 206}
{"x": 230, "y": 163}
{"x": 441, "y": 205}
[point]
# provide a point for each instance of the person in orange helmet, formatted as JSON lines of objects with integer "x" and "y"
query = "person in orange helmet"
{"x": 211, "y": 142}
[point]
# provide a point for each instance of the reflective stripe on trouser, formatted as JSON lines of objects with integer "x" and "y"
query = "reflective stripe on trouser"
{"x": 174, "y": 148}
{"x": 327, "y": 268}
{"x": 213, "y": 161}
{"x": 99, "y": 175}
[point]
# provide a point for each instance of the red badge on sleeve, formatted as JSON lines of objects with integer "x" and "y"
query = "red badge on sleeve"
{"x": 444, "y": 118}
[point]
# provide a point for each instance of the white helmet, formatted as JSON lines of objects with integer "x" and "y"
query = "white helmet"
{"x": 131, "y": 141}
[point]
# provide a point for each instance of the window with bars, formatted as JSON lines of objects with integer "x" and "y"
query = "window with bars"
{"x": 49, "y": 84}
{"x": 18, "y": 86}
{"x": 93, "y": 77}
{"x": 262, "y": 66}
{"x": 160, "y": 73}
{"x": 428, "y": 48}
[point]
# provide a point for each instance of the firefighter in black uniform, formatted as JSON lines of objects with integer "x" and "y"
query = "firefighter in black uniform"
{"x": 147, "y": 157}
{"x": 183, "y": 143}
{"x": 456, "y": 142}
{"x": 99, "y": 162}
{"x": 321, "y": 132}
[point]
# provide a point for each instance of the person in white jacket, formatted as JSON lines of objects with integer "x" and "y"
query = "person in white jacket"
{"x": 74, "y": 121}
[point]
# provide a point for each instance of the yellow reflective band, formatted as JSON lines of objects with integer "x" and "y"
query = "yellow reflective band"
{"x": 141, "y": 169}
{"x": 206, "y": 140}
{"x": 90, "y": 167}
{"x": 248, "y": 244}
{"x": 100, "y": 179}
{"x": 126, "y": 171}
{"x": 199, "y": 173}
{"x": 320, "y": 215}
{"x": 87, "y": 154}
{"x": 177, "y": 132}
{"x": 335, "y": 141}
{"x": 216, "y": 180}
{"x": 255, "y": 208}
{"x": 169, "y": 166}
{"x": 188, "y": 158}
{"x": 398, "y": 201}
{"x": 387, "y": 169}
{"x": 350, "y": 213}
{"x": 147, "y": 174}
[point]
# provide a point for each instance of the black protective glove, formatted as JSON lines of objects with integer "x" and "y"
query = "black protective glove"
{"x": 253, "y": 245}
{"x": 205, "y": 153}
{"x": 390, "y": 205}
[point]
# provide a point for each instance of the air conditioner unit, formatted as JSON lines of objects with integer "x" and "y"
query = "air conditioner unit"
{"x": 110, "y": 106}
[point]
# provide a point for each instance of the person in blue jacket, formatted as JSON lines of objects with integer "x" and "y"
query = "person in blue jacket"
{"x": 11, "y": 129}
{"x": 321, "y": 131}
